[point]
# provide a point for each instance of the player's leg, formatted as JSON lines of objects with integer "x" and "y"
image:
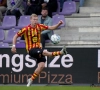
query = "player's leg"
{"x": 55, "y": 53}
{"x": 37, "y": 71}
{"x": 40, "y": 61}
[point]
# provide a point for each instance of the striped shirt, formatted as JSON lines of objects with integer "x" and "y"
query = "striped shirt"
{"x": 32, "y": 35}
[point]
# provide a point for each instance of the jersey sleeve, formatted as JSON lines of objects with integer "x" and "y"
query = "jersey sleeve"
{"x": 43, "y": 27}
{"x": 21, "y": 32}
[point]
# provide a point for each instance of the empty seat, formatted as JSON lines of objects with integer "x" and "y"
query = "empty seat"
{"x": 69, "y": 7}
{"x": 2, "y": 35}
{"x": 57, "y": 18}
{"x": 22, "y": 41}
{"x": 8, "y": 22}
{"x": 4, "y": 45}
{"x": 58, "y": 9}
{"x": 20, "y": 45}
{"x": 23, "y": 21}
{"x": 10, "y": 35}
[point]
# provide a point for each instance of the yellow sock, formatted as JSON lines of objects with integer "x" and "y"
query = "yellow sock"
{"x": 56, "y": 53}
{"x": 34, "y": 76}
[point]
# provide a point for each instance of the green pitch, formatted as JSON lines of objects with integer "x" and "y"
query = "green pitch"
{"x": 48, "y": 88}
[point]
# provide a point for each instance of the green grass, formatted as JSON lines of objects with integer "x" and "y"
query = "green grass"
{"x": 48, "y": 88}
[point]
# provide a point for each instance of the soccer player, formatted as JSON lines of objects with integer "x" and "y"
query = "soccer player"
{"x": 32, "y": 35}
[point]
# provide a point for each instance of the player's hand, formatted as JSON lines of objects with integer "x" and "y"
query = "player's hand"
{"x": 13, "y": 50}
{"x": 60, "y": 22}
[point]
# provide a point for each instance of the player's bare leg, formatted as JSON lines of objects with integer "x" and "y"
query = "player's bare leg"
{"x": 37, "y": 71}
{"x": 55, "y": 53}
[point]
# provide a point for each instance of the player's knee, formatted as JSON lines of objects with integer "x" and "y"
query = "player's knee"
{"x": 41, "y": 65}
{"x": 45, "y": 52}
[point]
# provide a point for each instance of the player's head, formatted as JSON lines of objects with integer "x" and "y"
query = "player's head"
{"x": 44, "y": 12}
{"x": 34, "y": 19}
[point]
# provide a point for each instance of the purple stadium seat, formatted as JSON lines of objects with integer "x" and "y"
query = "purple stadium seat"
{"x": 2, "y": 35}
{"x": 23, "y": 21}
{"x": 8, "y": 22}
{"x": 4, "y": 45}
{"x": 10, "y": 35}
{"x": 69, "y": 7}
{"x": 22, "y": 41}
{"x": 57, "y": 18}
{"x": 20, "y": 45}
{"x": 58, "y": 10}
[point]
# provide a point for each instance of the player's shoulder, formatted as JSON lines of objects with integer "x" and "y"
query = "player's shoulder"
{"x": 26, "y": 27}
{"x": 40, "y": 24}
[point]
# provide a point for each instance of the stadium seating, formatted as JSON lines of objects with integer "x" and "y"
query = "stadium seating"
{"x": 20, "y": 45}
{"x": 21, "y": 41}
{"x": 2, "y": 35}
{"x": 23, "y": 21}
{"x": 10, "y": 35}
{"x": 8, "y": 22}
{"x": 57, "y": 18}
{"x": 4, "y": 45}
{"x": 69, "y": 7}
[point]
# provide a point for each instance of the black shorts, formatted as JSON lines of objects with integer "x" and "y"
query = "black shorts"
{"x": 37, "y": 53}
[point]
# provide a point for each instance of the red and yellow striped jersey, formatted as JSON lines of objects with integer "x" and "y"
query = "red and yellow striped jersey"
{"x": 32, "y": 35}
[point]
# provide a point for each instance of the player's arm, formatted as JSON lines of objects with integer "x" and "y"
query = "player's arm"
{"x": 19, "y": 34}
{"x": 55, "y": 26}
{"x": 15, "y": 40}
{"x": 45, "y": 27}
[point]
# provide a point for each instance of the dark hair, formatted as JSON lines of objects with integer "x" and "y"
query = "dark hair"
{"x": 45, "y": 8}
